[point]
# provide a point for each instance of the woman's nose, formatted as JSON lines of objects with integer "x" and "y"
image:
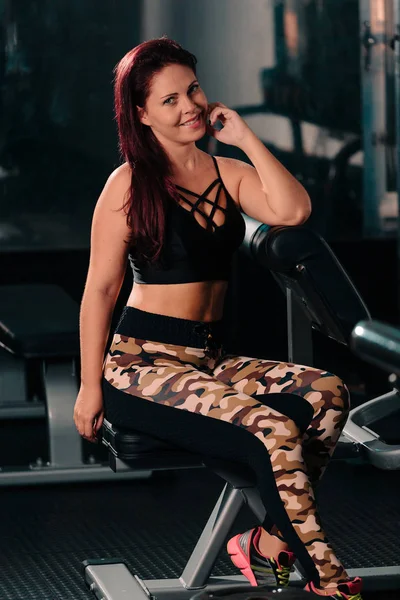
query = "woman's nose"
{"x": 188, "y": 105}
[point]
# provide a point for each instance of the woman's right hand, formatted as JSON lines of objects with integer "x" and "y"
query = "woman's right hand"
{"x": 89, "y": 412}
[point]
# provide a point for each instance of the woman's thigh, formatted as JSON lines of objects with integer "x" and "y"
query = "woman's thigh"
{"x": 320, "y": 395}
{"x": 180, "y": 377}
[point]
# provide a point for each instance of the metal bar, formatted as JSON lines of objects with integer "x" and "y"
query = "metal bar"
{"x": 204, "y": 555}
{"x": 377, "y": 343}
{"x": 396, "y": 43}
{"x": 24, "y": 410}
{"x": 376, "y": 409}
{"x": 357, "y": 429}
{"x": 377, "y": 578}
{"x": 114, "y": 582}
{"x": 373, "y": 79}
{"x": 65, "y": 445}
{"x": 299, "y": 332}
{"x": 254, "y": 502}
{"x": 85, "y": 473}
{"x": 174, "y": 589}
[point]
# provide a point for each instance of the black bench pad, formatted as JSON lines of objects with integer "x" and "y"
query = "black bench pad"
{"x": 142, "y": 449}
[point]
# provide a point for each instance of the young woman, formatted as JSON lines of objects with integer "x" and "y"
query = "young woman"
{"x": 174, "y": 212}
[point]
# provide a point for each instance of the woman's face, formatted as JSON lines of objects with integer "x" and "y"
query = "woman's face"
{"x": 176, "y": 108}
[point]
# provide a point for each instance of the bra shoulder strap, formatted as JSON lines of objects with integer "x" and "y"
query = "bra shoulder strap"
{"x": 216, "y": 167}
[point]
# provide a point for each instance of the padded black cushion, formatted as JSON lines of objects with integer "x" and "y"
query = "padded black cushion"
{"x": 303, "y": 262}
{"x": 142, "y": 451}
{"x": 140, "y": 448}
{"x": 38, "y": 321}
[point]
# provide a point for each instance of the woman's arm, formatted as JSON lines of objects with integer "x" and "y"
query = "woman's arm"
{"x": 108, "y": 252}
{"x": 267, "y": 192}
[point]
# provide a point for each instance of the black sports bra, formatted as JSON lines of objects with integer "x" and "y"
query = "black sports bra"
{"x": 196, "y": 248}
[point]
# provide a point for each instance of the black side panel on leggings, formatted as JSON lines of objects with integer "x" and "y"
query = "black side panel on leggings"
{"x": 293, "y": 406}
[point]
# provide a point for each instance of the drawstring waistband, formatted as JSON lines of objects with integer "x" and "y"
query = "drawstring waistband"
{"x": 211, "y": 343}
{"x": 171, "y": 330}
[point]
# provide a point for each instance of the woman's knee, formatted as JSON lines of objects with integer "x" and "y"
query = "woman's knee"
{"x": 340, "y": 392}
{"x": 325, "y": 392}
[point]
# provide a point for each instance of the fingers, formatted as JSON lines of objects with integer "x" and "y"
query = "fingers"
{"x": 213, "y": 105}
{"x": 216, "y": 110}
{"x": 89, "y": 431}
{"x": 212, "y": 131}
{"x": 99, "y": 422}
{"x": 218, "y": 113}
{"x": 88, "y": 427}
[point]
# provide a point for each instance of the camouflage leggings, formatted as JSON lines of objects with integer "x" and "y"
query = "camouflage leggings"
{"x": 294, "y": 413}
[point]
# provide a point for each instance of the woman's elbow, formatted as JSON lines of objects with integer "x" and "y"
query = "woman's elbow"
{"x": 303, "y": 213}
{"x": 298, "y": 219}
{"x": 106, "y": 287}
{"x": 303, "y": 217}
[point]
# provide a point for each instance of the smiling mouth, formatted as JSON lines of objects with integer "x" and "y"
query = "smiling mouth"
{"x": 192, "y": 121}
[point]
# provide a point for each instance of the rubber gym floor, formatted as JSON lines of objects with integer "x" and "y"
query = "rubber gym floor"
{"x": 154, "y": 523}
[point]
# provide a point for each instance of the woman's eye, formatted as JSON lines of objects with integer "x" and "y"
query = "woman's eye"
{"x": 171, "y": 100}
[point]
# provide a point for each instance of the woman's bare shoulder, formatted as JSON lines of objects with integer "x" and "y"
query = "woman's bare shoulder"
{"x": 121, "y": 174}
{"x": 232, "y": 171}
{"x": 117, "y": 186}
{"x": 232, "y": 165}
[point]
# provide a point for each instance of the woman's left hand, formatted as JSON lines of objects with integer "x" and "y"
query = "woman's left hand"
{"x": 234, "y": 129}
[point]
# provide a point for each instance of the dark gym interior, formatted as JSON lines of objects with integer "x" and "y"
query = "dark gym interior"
{"x": 318, "y": 82}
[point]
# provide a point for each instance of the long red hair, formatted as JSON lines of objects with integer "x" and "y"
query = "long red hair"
{"x": 151, "y": 182}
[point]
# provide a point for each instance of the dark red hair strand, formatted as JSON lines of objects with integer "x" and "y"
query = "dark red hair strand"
{"x": 146, "y": 201}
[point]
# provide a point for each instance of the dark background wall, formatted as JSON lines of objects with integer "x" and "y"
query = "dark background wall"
{"x": 58, "y": 138}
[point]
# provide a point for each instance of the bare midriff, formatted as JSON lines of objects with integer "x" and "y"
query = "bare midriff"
{"x": 200, "y": 301}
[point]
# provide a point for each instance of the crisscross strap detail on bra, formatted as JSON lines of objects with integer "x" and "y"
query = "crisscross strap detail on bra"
{"x": 196, "y": 248}
{"x": 209, "y": 218}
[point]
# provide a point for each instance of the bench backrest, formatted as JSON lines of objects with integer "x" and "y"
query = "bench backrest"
{"x": 306, "y": 267}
